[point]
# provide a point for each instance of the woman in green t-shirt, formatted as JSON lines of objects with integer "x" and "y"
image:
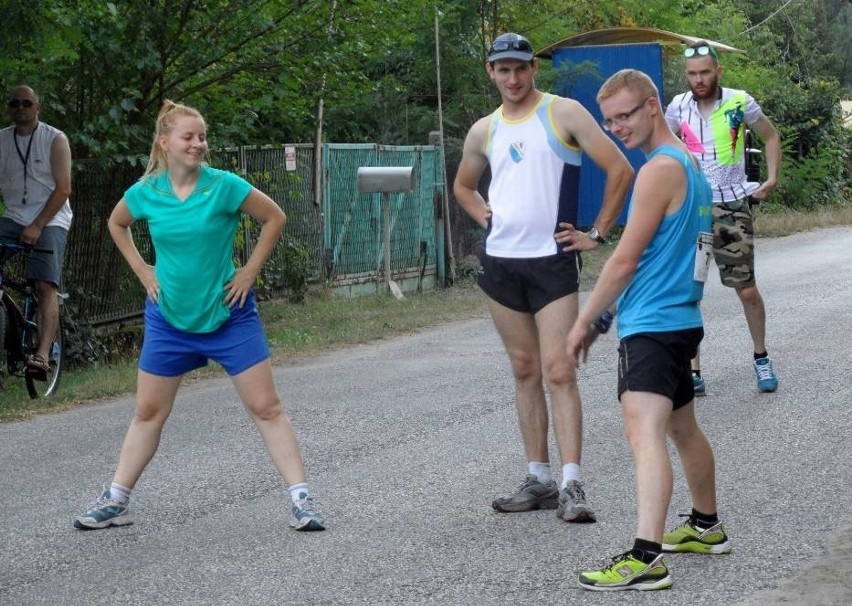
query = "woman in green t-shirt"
{"x": 199, "y": 306}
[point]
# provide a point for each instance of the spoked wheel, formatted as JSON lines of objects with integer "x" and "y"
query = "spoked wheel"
{"x": 42, "y": 389}
{"x": 4, "y": 363}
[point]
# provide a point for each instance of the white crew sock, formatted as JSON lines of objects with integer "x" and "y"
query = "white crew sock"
{"x": 119, "y": 493}
{"x": 299, "y": 492}
{"x": 541, "y": 471}
{"x": 570, "y": 471}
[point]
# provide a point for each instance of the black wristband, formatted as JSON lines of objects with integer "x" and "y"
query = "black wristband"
{"x": 603, "y": 323}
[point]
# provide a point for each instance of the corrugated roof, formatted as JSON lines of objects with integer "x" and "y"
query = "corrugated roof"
{"x": 629, "y": 35}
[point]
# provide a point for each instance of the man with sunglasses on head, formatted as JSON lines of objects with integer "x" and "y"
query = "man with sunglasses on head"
{"x": 35, "y": 182}
{"x": 712, "y": 121}
{"x": 533, "y": 143}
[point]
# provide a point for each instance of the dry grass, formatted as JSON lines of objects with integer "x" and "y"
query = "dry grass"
{"x": 779, "y": 221}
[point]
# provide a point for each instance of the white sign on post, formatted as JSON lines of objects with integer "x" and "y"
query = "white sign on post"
{"x": 290, "y": 158}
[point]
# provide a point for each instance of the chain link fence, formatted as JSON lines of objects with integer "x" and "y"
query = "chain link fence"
{"x": 333, "y": 235}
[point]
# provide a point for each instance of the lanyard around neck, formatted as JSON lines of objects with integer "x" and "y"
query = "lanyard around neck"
{"x": 24, "y": 158}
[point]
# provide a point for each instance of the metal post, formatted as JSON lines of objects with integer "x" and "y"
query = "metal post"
{"x": 385, "y": 180}
{"x": 387, "y": 244}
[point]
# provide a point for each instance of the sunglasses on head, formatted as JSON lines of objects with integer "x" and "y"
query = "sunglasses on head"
{"x": 702, "y": 51}
{"x": 498, "y": 46}
{"x": 15, "y": 103}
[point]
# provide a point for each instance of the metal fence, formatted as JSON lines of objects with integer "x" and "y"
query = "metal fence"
{"x": 338, "y": 228}
{"x": 353, "y": 227}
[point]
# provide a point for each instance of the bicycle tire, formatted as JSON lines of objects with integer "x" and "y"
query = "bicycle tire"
{"x": 43, "y": 389}
{"x": 4, "y": 359}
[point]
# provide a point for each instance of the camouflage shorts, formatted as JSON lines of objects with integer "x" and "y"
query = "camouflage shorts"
{"x": 733, "y": 242}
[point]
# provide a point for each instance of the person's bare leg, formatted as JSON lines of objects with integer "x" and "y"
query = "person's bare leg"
{"x": 646, "y": 416}
{"x": 257, "y": 390}
{"x": 47, "y": 317}
{"x": 155, "y": 397}
{"x": 520, "y": 338}
{"x": 696, "y": 457}
{"x": 554, "y": 322}
{"x": 755, "y": 314}
{"x": 696, "y": 361}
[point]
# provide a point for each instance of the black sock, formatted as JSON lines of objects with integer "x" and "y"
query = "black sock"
{"x": 704, "y": 520}
{"x": 646, "y": 551}
{"x": 758, "y": 356}
{"x": 697, "y": 373}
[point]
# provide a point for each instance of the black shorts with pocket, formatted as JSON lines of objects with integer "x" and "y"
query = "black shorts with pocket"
{"x": 659, "y": 362}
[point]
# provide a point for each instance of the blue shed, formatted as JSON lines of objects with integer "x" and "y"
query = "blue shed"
{"x": 609, "y": 50}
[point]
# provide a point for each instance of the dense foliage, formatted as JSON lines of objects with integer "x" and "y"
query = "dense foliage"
{"x": 266, "y": 70}
{"x": 392, "y": 72}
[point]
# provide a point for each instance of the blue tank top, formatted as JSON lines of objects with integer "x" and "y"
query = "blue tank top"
{"x": 664, "y": 295}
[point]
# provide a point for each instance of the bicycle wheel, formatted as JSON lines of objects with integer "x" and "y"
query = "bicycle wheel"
{"x": 43, "y": 389}
{"x": 4, "y": 360}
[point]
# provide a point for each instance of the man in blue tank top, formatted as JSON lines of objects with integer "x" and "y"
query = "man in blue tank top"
{"x": 655, "y": 281}
{"x": 533, "y": 143}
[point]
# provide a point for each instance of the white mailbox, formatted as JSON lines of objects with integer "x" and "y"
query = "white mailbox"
{"x": 386, "y": 180}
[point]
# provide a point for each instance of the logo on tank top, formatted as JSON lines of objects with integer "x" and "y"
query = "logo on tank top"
{"x": 516, "y": 151}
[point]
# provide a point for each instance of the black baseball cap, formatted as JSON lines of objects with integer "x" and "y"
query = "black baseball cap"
{"x": 510, "y": 46}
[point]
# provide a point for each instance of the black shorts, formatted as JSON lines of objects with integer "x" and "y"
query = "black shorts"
{"x": 528, "y": 285}
{"x": 659, "y": 362}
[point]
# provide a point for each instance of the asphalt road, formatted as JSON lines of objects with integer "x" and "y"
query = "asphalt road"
{"x": 407, "y": 441}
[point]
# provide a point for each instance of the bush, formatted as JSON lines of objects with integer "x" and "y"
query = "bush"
{"x": 820, "y": 178}
{"x": 815, "y": 166}
{"x": 289, "y": 270}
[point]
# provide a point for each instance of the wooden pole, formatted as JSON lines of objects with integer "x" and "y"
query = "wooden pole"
{"x": 445, "y": 199}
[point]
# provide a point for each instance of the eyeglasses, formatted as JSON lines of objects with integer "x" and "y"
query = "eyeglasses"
{"x": 699, "y": 50}
{"x": 498, "y": 46}
{"x": 16, "y": 103}
{"x": 622, "y": 118}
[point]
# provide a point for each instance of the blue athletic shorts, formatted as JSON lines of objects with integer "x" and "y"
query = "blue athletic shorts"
{"x": 44, "y": 267}
{"x": 237, "y": 345}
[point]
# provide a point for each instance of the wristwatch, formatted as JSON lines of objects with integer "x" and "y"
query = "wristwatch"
{"x": 595, "y": 235}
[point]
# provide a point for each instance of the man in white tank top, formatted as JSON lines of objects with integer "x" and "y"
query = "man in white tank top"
{"x": 533, "y": 143}
{"x": 35, "y": 182}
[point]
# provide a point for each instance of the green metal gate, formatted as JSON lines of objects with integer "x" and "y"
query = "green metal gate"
{"x": 352, "y": 228}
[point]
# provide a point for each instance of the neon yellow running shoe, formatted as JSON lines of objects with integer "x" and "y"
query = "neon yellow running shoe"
{"x": 691, "y": 538}
{"x": 626, "y": 572}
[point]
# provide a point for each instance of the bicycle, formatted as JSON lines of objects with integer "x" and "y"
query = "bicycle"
{"x": 19, "y": 327}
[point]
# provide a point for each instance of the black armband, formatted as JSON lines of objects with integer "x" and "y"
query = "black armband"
{"x": 603, "y": 323}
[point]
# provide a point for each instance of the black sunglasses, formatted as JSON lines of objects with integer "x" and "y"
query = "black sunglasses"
{"x": 498, "y": 46}
{"x": 699, "y": 50}
{"x": 15, "y": 103}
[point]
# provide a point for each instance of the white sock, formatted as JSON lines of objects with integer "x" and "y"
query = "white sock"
{"x": 299, "y": 492}
{"x": 119, "y": 493}
{"x": 570, "y": 471}
{"x": 541, "y": 471}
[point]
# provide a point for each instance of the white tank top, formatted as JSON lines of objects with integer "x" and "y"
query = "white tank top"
{"x": 39, "y": 176}
{"x": 534, "y": 183}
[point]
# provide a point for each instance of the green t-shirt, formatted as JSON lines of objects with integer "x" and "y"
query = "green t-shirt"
{"x": 194, "y": 243}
